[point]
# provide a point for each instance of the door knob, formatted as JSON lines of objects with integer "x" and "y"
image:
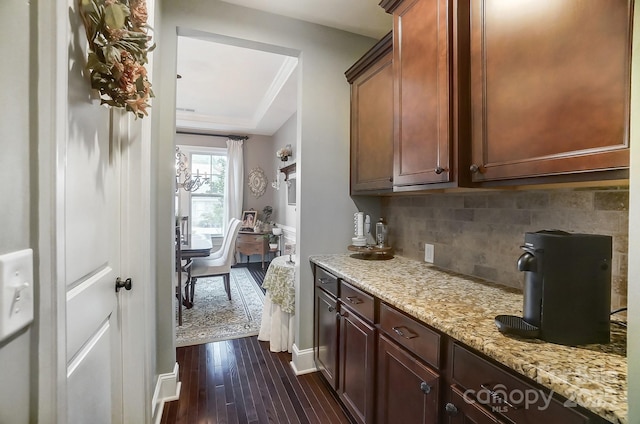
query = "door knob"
{"x": 120, "y": 284}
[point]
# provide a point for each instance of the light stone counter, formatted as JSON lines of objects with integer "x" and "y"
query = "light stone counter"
{"x": 593, "y": 376}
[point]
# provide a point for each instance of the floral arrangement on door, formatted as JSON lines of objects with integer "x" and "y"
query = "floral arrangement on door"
{"x": 118, "y": 46}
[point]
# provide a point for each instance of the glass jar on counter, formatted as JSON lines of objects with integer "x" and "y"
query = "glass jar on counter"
{"x": 381, "y": 233}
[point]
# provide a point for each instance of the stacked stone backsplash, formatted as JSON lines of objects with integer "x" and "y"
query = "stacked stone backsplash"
{"x": 480, "y": 233}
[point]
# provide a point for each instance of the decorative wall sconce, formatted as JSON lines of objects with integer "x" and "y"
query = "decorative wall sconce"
{"x": 287, "y": 171}
{"x": 184, "y": 178}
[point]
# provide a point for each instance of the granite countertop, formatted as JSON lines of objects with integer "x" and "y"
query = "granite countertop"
{"x": 463, "y": 307}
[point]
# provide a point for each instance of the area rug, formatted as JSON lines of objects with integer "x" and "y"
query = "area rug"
{"x": 215, "y": 318}
{"x": 258, "y": 274}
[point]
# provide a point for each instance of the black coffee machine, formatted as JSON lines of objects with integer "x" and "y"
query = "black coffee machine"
{"x": 567, "y": 288}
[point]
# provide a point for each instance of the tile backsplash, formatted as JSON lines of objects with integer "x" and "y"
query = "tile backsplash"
{"x": 480, "y": 233}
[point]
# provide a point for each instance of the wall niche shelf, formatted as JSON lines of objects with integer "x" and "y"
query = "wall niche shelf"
{"x": 288, "y": 170}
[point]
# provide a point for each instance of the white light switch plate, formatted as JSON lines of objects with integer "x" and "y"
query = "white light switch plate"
{"x": 16, "y": 291}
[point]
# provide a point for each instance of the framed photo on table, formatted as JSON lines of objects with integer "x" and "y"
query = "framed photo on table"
{"x": 248, "y": 220}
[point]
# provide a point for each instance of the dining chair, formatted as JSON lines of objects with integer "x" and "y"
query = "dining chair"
{"x": 218, "y": 253}
{"x": 180, "y": 270}
{"x": 220, "y": 266}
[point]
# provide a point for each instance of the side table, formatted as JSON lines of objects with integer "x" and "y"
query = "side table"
{"x": 278, "y": 313}
{"x": 252, "y": 243}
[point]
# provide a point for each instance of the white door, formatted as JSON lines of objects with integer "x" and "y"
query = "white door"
{"x": 89, "y": 244}
{"x": 91, "y": 261}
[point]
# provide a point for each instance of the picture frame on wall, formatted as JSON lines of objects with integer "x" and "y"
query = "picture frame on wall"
{"x": 248, "y": 220}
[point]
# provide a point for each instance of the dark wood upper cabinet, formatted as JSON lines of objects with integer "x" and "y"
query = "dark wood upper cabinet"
{"x": 371, "y": 80}
{"x": 429, "y": 101}
{"x": 550, "y": 88}
{"x": 490, "y": 92}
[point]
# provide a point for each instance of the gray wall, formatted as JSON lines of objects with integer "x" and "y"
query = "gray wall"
{"x": 481, "y": 233}
{"x": 287, "y": 134}
{"x": 322, "y": 143}
{"x": 257, "y": 153}
{"x": 16, "y": 360}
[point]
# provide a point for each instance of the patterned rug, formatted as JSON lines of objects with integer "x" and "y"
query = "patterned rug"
{"x": 258, "y": 274}
{"x": 215, "y": 318}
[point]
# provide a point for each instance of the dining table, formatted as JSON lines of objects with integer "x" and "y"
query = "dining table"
{"x": 195, "y": 246}
{"x": 278, "y": 313}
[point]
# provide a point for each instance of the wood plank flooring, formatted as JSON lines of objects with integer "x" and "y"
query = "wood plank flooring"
{"x": 241, "y": 381}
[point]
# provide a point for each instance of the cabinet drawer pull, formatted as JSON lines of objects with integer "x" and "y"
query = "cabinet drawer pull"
{"x": 495, "y": 396}
{"x": 325, "y": 280}
{"x": 355, "y": 300}
{"x": 331, "y": 308}
{"x": 439, "y": 170}
{"x": 426, "y": 389}
{"x": 404, "y": 332}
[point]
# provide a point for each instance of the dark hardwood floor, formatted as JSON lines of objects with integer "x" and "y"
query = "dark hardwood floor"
{"x": 241, "y": 381}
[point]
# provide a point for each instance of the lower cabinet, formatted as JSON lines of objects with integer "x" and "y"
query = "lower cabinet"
{"x": 408, "y": 390}
{"x": 326, "y": 343}
{"x": 357, "y": 370}
{"x": 387, "y": 367}
{"x": 503, "y": 395}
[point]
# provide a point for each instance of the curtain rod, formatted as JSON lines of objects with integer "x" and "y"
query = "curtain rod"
{"x": 231, "y": 136}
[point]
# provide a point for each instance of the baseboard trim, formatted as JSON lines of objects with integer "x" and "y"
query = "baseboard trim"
{"x": 167, "y": 389}
{"x": 302, "y": 361}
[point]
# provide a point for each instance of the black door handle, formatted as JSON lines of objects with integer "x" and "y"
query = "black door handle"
{"x": 120, "y": 284}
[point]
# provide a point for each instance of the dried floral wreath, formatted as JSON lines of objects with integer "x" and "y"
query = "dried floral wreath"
{"x": 118, "y": 47}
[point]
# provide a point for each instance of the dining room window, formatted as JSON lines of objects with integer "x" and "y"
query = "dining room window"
{"x": 206, "y": 203}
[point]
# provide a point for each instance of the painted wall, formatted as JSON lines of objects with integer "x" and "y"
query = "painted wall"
{"x": 16, "y": 354}
{"x": 322, "y": 139}
{"x": 285, "y": 135}
{"x": 257, "y": 153}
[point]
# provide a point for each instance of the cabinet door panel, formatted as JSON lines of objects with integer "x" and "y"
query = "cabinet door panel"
{"x": 357, "y": 367}
{"x": 372, "y": 128}
{"x": 408, "y": 391}
{"x": 326, "y": 332}
{"x": 422, "y": 93}
{"x": 550, "y": 87}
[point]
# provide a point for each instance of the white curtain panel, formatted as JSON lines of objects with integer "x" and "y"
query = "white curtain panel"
{"x": 234, "y": 180}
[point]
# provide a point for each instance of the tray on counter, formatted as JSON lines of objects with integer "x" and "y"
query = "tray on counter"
{"x": 371, "y": 252}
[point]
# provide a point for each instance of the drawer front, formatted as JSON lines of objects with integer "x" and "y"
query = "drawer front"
{"x": 357, "y": 300}
{"x": 250, "y": 249}
{"x": 413, "y": 335}
{"x": 507, "y": 395}
{"x": 328, "y": 282}
{"x": 250, "y": 238}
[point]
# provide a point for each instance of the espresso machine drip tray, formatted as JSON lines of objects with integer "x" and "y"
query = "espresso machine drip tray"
{"x": 510, "y": 324}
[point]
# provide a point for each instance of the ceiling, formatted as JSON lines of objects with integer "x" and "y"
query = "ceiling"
{"x": 230, "y": 89}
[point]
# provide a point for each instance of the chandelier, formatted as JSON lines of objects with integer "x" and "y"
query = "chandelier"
{"x": 184, "y": 177}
